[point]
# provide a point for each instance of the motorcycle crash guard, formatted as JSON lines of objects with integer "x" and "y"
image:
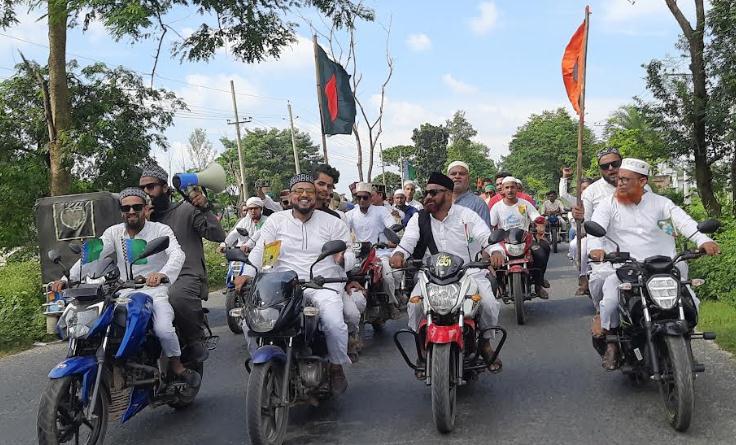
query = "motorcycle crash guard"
{"x": 85, "y": 365}
{"x": 444, "y": 334}
{"x": 267, "y": 353}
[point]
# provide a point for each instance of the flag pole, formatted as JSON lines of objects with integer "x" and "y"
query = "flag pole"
{"x": 581, "y": 128}
{"x": 319, "y": 99}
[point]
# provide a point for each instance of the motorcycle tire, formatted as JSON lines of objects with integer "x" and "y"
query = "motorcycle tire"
{"x": 231, "y": 302}
{"x": 62, "y": 393}
{"x": 554, "y": 235}
{"x": 266, "y": 424}
{"x": 676, "y": 386}
{"x": 187, "y": 397}
{"x": 517, "y": 293}
{"x": 444, "y": 387}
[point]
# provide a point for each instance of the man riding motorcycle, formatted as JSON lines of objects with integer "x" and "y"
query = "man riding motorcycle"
{"x": 641, "y": 223}
{"x": 554, "y": 206}
{"x": 157, "y": 269}
{"x": 459, "y": 231}
{"x": 512, "y": 212}
{"x": 459, "y": 172}
{"x": 252, "y": 221}
{"x": 292, "y": 241}
{"x": 400, "y": 204}
{"x": 410, "y": 189}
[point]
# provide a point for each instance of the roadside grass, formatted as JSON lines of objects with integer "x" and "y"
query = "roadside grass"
{"x": 719, "y": 317}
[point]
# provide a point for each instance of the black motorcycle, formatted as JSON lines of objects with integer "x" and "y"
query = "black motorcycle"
{"x": 290, "y": 365}
{"x": 658, "y": 316}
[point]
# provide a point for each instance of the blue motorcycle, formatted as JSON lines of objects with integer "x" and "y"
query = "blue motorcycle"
{"x": 114, "y": 366}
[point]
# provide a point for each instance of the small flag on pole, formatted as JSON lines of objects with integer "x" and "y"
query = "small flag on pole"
{"x": 337, "y": 103}
{"x": 91, "y": 250}
{"x": 572, "y": 65}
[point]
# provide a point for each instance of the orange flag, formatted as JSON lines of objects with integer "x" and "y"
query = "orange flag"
{"x": 572, "y": 63}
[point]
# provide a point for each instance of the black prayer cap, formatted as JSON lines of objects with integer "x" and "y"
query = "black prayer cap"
{"x": 440, "y": 179}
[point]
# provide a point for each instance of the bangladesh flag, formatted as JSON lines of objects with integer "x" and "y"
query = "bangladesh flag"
{"x": 133, "y": 248}
{"x": 336, "y": 97}
{"x": 91, "y": 250}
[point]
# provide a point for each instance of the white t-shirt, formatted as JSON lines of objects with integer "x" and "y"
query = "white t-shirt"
{"x": 520, "y": 214}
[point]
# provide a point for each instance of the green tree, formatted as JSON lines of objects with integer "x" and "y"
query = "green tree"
{"x": 268, "y": 154}
{"x": 630, "y": 131}
{"x": 394, "y": 155}
{"x": 459, "y": 128}
{"x": 115, "y": 123}
{"x": 393, "y": 181}
{"x": 543, "y": 145}
{"x": 431, "y": 150}
{"x": 475, "y": 155}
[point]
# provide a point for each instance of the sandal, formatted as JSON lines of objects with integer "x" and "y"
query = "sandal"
{"x": 486, "y": 351}
{"x": 421, "y": 372}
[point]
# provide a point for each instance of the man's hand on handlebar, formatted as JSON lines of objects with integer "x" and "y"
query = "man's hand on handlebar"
{"x": 245, "y": 248}
{"x": 597, "y": 255}
{"x": 57, "y": 286}
{"x": 241, "y": 281}
{"x": 497, "y": 260}
{"x": 155, "y": 278}
{"x": 396, "y": 261}
{"x": 710, "y": 248}
{"x": 353, "y": 286}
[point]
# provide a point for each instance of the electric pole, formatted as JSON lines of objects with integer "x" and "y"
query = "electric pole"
{"x": 243, "y": 185}
{"x": 293, "y": 139}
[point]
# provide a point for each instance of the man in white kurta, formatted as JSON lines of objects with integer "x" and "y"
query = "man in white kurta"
{"x": 641, "y": 223}
{"x": 367, "y": 223}
{"x": 459, "y": 231}
{"x": 302, "y": 232}
{"x": 252, "y": 221}
{"x": 410, "y": 188}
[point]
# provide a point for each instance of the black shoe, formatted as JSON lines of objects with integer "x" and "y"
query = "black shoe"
{"x": 190, "y": 377}
{"x": 339, "y": 381}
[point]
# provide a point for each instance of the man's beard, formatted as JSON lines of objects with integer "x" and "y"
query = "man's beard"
{"x": 632, "y": 197}
{"x": 303, "y": 210}
{"x": 161, "y": 202}
{"x": 609, "y": 180}
{"x": 136, "y": 226}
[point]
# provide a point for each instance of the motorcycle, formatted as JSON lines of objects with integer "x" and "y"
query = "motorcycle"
{"x": 290, "y": 365}
{"x": 515, "y": 277}
{"x": 554, "y": 231}
{"x": 114, "y": 366}
{"x": 232, "y": 298}
{"x": 658, "y": 316}
{"x": 448, "y": 336}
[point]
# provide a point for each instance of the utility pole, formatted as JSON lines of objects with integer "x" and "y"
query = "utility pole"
{"x": 293, "y": 139}
{"x": 401, "y": 166}
{"x": 243, "y": 185}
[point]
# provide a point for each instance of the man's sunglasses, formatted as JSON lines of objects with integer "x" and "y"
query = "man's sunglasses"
{"x": 150, "y": 186}
{"x": 136, "y": 207}
{"x": 608, "y": 165}
{"x": 435, "y": 192}
{"x": 363, "y": 197}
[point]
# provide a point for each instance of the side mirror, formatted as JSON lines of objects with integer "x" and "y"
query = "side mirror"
{"x": 235, "y": 254}
{"x": 496, "y": 236}
{"x": 76, "y": 248}
{"x": 397, "y": 228}
{"x": 154, "y": 246}
{"x": 709, "y": 226}
{"x": 242, "y": 231}
{"x": 595, "y": 229}
{"x": 391, "y": 235}
{"x": 331, "y": 248}
{"x": 54, "y": 256}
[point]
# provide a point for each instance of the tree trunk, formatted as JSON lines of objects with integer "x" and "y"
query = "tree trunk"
{"x": 61, "y": 112}
{"x": 696, "y": 44}
{"x": 370, "y": 154}
{"x": 360, "y": 152}
{"x": 733, "y": 184}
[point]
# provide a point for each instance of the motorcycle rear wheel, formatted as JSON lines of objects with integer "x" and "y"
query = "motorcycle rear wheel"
{"x": 444, "y": 387}
{"x": 266, "y": 423}
{"x": 676, "y": 385}
{"x": 554, "y": 235}
{"x": 231, "y": 302}
{"x": 61, "y": 414}
{"x": 517, "y": 293}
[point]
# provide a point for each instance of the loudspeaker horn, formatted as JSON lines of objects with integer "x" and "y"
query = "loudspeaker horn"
{"x": 212, "y": 178}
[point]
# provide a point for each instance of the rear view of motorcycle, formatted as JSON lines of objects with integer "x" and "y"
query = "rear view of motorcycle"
{"x": 658, "y": 318}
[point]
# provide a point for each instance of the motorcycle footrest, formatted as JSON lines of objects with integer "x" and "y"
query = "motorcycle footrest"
{"x": 698, "y": 367}
{"x": 703, "y": 335}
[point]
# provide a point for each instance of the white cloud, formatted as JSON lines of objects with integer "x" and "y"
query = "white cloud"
{"x": 29, "y": 29}
{"x": 419, "y": 42}
{"x": 487, "y": 19}
{"x": 458, "y": 86}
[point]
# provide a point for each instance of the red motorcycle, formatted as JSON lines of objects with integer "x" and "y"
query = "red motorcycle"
{"x": 370, "y": 275}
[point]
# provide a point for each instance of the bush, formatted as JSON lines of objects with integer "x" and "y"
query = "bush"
{"x": 718, "y": 270}
{"x": 216, "y": 266}
{"x": 21, "y": 320}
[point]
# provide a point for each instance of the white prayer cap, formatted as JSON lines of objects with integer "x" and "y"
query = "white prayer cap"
{"x": 399, "y": 192}
{"x": 254, "y": 201}
{"x": 363, "y": 187}
{"x": 454, "y": 164}
{"x": 636, "y": 166}
{"x": 510, "y": 179}
{"x": 409, "y": 182}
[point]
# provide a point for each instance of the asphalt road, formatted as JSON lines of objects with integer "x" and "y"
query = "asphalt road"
{"x": 552, "y": 391}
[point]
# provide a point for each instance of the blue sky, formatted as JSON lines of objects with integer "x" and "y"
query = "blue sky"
{"x": 497, "y": 60}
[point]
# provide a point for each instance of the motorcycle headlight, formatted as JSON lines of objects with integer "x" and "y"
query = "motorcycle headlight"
{"x": 515, "y": 249}
{"x": 443, "y": 298}
{"x": 79, "y": 320}
{"x": 664, "y": 291}
{"x": 262, "y": 319}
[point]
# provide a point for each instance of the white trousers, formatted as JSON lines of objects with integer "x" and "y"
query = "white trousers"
{"x": 609, "y": 302}
{"x": 391, "y": 279}
{"x": 487, "y": 313}
{"x": 332, "y": 322}
{"x": 573, "y": 252}
{"x": 353, "y": 306}
{"x": 163, "y": 326}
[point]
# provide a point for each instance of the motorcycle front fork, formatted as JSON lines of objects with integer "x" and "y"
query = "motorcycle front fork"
{"x": 100, "y": 355}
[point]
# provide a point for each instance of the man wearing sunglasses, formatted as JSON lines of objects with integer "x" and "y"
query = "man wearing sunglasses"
{"x": 190, "y": 223}
{"x": 301, "y": 233}
{"x": 157, "y": 269}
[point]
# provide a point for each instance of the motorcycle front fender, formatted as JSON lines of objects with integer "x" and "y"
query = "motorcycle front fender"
{"x": 445, "y": 334}
{"x": 267, "y": 353}
{"x": 85, "y": 365}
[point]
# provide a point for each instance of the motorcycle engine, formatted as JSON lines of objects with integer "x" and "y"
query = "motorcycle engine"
{"x": 310, "y": 371}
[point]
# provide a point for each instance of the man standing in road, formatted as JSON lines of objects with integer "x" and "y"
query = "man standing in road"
{"x": 644, "y": 224}
{"x": 459, "y": 172}
{"x": 190, "y": 222}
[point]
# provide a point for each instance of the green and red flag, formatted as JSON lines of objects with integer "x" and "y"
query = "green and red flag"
{"x": 337, "y": 103}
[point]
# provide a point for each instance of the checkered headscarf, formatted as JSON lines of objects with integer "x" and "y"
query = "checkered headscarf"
{"x": 607, "y": 151}
{"x": 155, "y": 171}
{"x": 301, "y": 177}
{"x": 133, "y": 191}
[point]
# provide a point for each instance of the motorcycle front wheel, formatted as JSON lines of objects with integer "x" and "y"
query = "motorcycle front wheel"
{"x": 554, "y": 235}
{"x": 444, "y": 387}
{"x": 61, "y": 416}
{"x": 266, "y": 419}
{"x": 517, "y": 293}
{"x": 231, "y": 302}
{"x": 676, "y": 384}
